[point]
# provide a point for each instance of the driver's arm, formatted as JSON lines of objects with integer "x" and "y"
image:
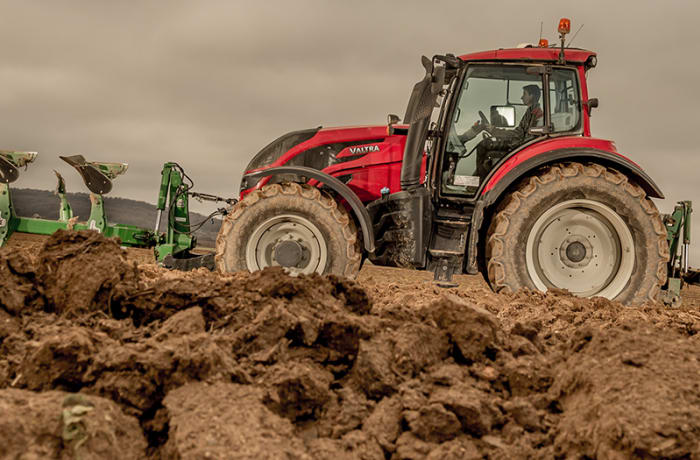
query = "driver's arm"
{"x": 516, "y": 134}
{"x": 471, "y": 133}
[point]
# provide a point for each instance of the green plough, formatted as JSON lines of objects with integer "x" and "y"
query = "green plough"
{"x": 172, "y": 247}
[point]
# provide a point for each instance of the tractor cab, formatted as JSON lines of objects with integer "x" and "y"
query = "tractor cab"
{"x": 496, "y": 103}
{"x": 499, "y": 107}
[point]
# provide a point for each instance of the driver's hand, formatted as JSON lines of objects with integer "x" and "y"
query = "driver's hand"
{"x": 488, "y": 143}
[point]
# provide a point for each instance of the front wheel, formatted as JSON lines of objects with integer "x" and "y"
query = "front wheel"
{"x": 291, "y": 225}
{"x": 583, "y": 228}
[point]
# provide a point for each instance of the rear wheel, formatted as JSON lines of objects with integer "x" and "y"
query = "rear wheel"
{"x": 584, "y": 228}
{"x": 291, "y": 225}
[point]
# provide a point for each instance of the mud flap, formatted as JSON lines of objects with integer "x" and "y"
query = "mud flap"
{"x": 402, "y": 227}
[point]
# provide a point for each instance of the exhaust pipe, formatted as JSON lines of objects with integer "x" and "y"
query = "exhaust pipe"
{"x": 413, "y": 154}
{"x": 420, "y": 108}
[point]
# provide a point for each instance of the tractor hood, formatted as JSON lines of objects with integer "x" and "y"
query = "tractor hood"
{"x": 320, "y": 148}
{"x": 331, "y": 150}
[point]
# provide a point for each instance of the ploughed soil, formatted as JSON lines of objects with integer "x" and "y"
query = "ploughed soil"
{"x": 105, "y": 355}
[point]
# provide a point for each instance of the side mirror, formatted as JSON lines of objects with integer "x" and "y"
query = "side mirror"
{"x": 392, "y": 119}
{"x": 591, "y": 104}
{"x": 502, "y": 116}
{"x": 438, "y": 79}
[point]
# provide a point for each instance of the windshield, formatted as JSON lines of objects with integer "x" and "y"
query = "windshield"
{"x": 496, "y": 107}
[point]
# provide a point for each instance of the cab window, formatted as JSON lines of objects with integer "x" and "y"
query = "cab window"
{"x": 564, "y": 100}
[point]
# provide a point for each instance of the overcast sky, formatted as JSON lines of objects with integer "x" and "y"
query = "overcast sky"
{"x": 208, "y": 83}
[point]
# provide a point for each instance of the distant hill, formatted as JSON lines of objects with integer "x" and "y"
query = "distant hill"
{"x": 44, "y": 204}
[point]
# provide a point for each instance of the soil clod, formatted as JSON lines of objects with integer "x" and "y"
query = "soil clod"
{"x": 160, "y": 364}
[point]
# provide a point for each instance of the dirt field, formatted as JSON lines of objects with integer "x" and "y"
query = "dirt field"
{"x": 104, "y": 355}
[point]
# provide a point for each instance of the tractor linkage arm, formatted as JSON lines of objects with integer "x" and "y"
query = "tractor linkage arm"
{"x": 678, "y": 235}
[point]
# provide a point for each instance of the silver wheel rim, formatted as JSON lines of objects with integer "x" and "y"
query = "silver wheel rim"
{"x": 287, "y": 229}
{"x": 582, "y": 246}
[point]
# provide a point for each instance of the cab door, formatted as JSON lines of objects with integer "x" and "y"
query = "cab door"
{"x": 490, "y": 94}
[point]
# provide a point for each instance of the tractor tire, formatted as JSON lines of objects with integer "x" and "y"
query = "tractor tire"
{"x": 292, "y": 225}
{"x": 583, "y": 228}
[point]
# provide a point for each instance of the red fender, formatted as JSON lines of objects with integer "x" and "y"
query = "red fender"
{"x": 559, "y": 149}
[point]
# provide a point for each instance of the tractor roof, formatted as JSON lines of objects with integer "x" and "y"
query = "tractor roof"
{"x": 574, "y": 55}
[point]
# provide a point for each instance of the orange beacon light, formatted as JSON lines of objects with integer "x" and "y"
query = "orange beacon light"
{"x": 564, "y": 26}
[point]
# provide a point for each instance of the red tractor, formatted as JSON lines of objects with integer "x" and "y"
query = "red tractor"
{"x": 506, "y": 179}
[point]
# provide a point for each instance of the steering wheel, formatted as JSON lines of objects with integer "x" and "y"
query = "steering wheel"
{"x": 484, "y": 121}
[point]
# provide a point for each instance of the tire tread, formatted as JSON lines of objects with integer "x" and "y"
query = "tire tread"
{"x": 495, "y": 244}
{"x": 340, "y": 216}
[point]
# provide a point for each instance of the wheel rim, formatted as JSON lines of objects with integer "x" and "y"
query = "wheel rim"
{"x": 289, "y": 241}
{"x": 582, "y": 246}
